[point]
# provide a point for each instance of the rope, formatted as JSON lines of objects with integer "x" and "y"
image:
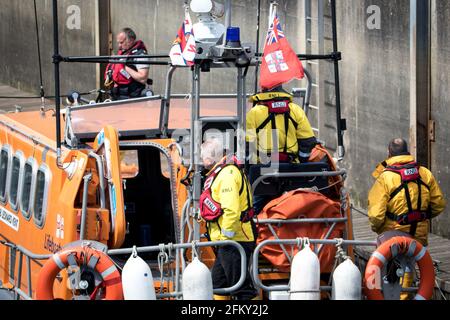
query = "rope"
{"x": 163, "y": 258}
{"x": 42, "y": 93}
{"x": 358, "y": 211}
{"x": 440, "y": 291}
{"x": 134, "y": 252}
{"x": 327, "y": 187}
{"x": 306, "y": 242}
{"x": 170, "y": 248}
{"x": 340, "y": 253}
{"x": 170, "y": 258}
{"x": 258, "y": 25}
{"x": 299, "y": 243}
{"x": 194, "y": 250}
{"x": 340, "y": 256}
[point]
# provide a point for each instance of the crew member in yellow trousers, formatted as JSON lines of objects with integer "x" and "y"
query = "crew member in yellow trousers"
{"x": 405, "y": 197}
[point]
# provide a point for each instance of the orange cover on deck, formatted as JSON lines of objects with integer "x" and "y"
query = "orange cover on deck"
{"x": 296, "y": 205}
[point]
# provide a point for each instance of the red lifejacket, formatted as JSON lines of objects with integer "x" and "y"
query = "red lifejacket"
{"x": 210, "y": 209}
{"x": 409, "y": 173}
{"x": 119, "y": 75}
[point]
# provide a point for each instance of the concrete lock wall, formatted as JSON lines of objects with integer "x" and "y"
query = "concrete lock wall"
{"x": 374, "y": 73}
{"x": 158, "y": 25}
{"x": 155, "y": 22}
{"x": 440, "y": 102}
{"x": 375, "y": 90}
{"x": 19, "y": 60}
{"x": 375, "y": 82}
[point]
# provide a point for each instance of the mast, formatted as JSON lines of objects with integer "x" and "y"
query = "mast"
{"x": 258, "y": 24}
{"x": 56, "y": 62}
{"x": 340, "y": 123}
{"x": 38, "y": 44}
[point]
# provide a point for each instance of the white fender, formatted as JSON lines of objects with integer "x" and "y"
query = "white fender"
{"x": 197, "y": 282}
{"x": 346, "y": 282}
{"x": 305, "y": 276}
{"x": 137, "y": 280}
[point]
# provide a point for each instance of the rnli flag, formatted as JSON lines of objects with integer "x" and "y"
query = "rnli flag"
{"x": 280, "y": 64}
{"x": 183, "y": 49}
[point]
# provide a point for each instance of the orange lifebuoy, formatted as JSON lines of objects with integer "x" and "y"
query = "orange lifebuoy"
{"x": 389, "y": 250}
{"x": 81, "y": 255}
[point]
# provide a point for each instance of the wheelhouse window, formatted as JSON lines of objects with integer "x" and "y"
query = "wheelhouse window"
{"x": 4, "y": 166}
{"x": 27, "y": 181}
{"x": 41, "y": 195}
{"x": 129, "y": 164}
{"x": 16, "y": 170}
{"x": 165, "y": 168}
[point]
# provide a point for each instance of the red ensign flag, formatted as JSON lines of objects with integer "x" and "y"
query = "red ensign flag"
{"x": 183, "y": 50}
{"x": 280, "y": 64}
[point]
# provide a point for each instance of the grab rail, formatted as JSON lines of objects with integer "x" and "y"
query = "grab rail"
{"x": 29, "y": 256}
{"x": 178, "y": 247}
{"x": 255, "y": 276}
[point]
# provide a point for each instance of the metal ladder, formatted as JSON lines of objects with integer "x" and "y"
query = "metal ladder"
{"x": 318, "y": 40}
{"x": 314, "y": 43}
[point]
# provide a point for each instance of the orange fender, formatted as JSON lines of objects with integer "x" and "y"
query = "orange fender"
{"x": 104, "y": 266}
{"x": 388, "y": 251}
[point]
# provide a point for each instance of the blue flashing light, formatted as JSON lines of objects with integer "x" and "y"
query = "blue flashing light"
{"x": 233, "y": 34}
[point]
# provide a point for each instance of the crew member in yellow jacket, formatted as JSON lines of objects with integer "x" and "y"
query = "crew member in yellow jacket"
{"x": 274, "y": 115}
{"x": 385, "y": 206}
{"x": 226, "y": 205}
{"x": 405, "y": 197}
{"x": 278, "y": 131}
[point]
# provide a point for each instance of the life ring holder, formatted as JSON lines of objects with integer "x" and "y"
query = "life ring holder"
{"x": 388, "y": 251}
{"x": 82, "y": 255}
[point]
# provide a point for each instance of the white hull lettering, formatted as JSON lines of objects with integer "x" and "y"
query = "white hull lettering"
{"x": 10, "y": 219}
